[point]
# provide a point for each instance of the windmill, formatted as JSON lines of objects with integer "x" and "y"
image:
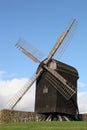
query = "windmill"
{"x": 48, "y": 74}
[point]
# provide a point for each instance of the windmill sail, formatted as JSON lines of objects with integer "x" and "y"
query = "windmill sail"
{"x": 29, "y": 50}
{"x": 60, "y": 83}
{"x": 59, "y": 42}
{"x": 18, "y": 96}
{"x": 28, "y": 54}
{"x": 66, "y": 41}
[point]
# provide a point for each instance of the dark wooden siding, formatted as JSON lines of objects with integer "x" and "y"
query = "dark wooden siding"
{"x": 49, "y": 100}
{"x": 45, "y": 96}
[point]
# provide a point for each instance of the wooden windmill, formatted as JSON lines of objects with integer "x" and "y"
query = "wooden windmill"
{"x": 56, "y": 82}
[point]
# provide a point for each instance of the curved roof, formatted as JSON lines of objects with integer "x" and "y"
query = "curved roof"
{"x": 66, "y": 68}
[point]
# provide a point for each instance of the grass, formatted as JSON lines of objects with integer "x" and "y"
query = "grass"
{"x": 72, "y": 125}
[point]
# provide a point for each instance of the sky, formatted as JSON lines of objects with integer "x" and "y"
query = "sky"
{"x": 39, "y": 22}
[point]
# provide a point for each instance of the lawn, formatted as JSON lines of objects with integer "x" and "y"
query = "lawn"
{"x": 54, "y": 125}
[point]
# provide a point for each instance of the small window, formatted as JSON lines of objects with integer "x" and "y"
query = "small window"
{"x": 45, "y": 90}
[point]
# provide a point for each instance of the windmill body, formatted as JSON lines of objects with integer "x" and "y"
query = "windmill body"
{"x": 48, "y": 99}
{"x": 56, "y": 82}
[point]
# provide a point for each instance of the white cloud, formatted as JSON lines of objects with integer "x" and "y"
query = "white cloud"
{"x": 8, "y": 88}
{"x": 2, "y": 72}
{"x": 82, "y": 97}
{"x": 6, "y": 75}
{"x": 82, "y": 102}
{"x": 81, "y": 84}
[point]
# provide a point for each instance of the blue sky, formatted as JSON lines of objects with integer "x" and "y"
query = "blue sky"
{"x": 41, "y": 22}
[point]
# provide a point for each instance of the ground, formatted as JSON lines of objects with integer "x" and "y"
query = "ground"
{"x": 54, "y": 125}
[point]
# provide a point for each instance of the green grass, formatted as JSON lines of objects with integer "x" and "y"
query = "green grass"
{"x": 73, "y": 125}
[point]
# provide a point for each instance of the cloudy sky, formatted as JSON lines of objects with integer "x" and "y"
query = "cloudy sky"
{"x": 39, "y": 22}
